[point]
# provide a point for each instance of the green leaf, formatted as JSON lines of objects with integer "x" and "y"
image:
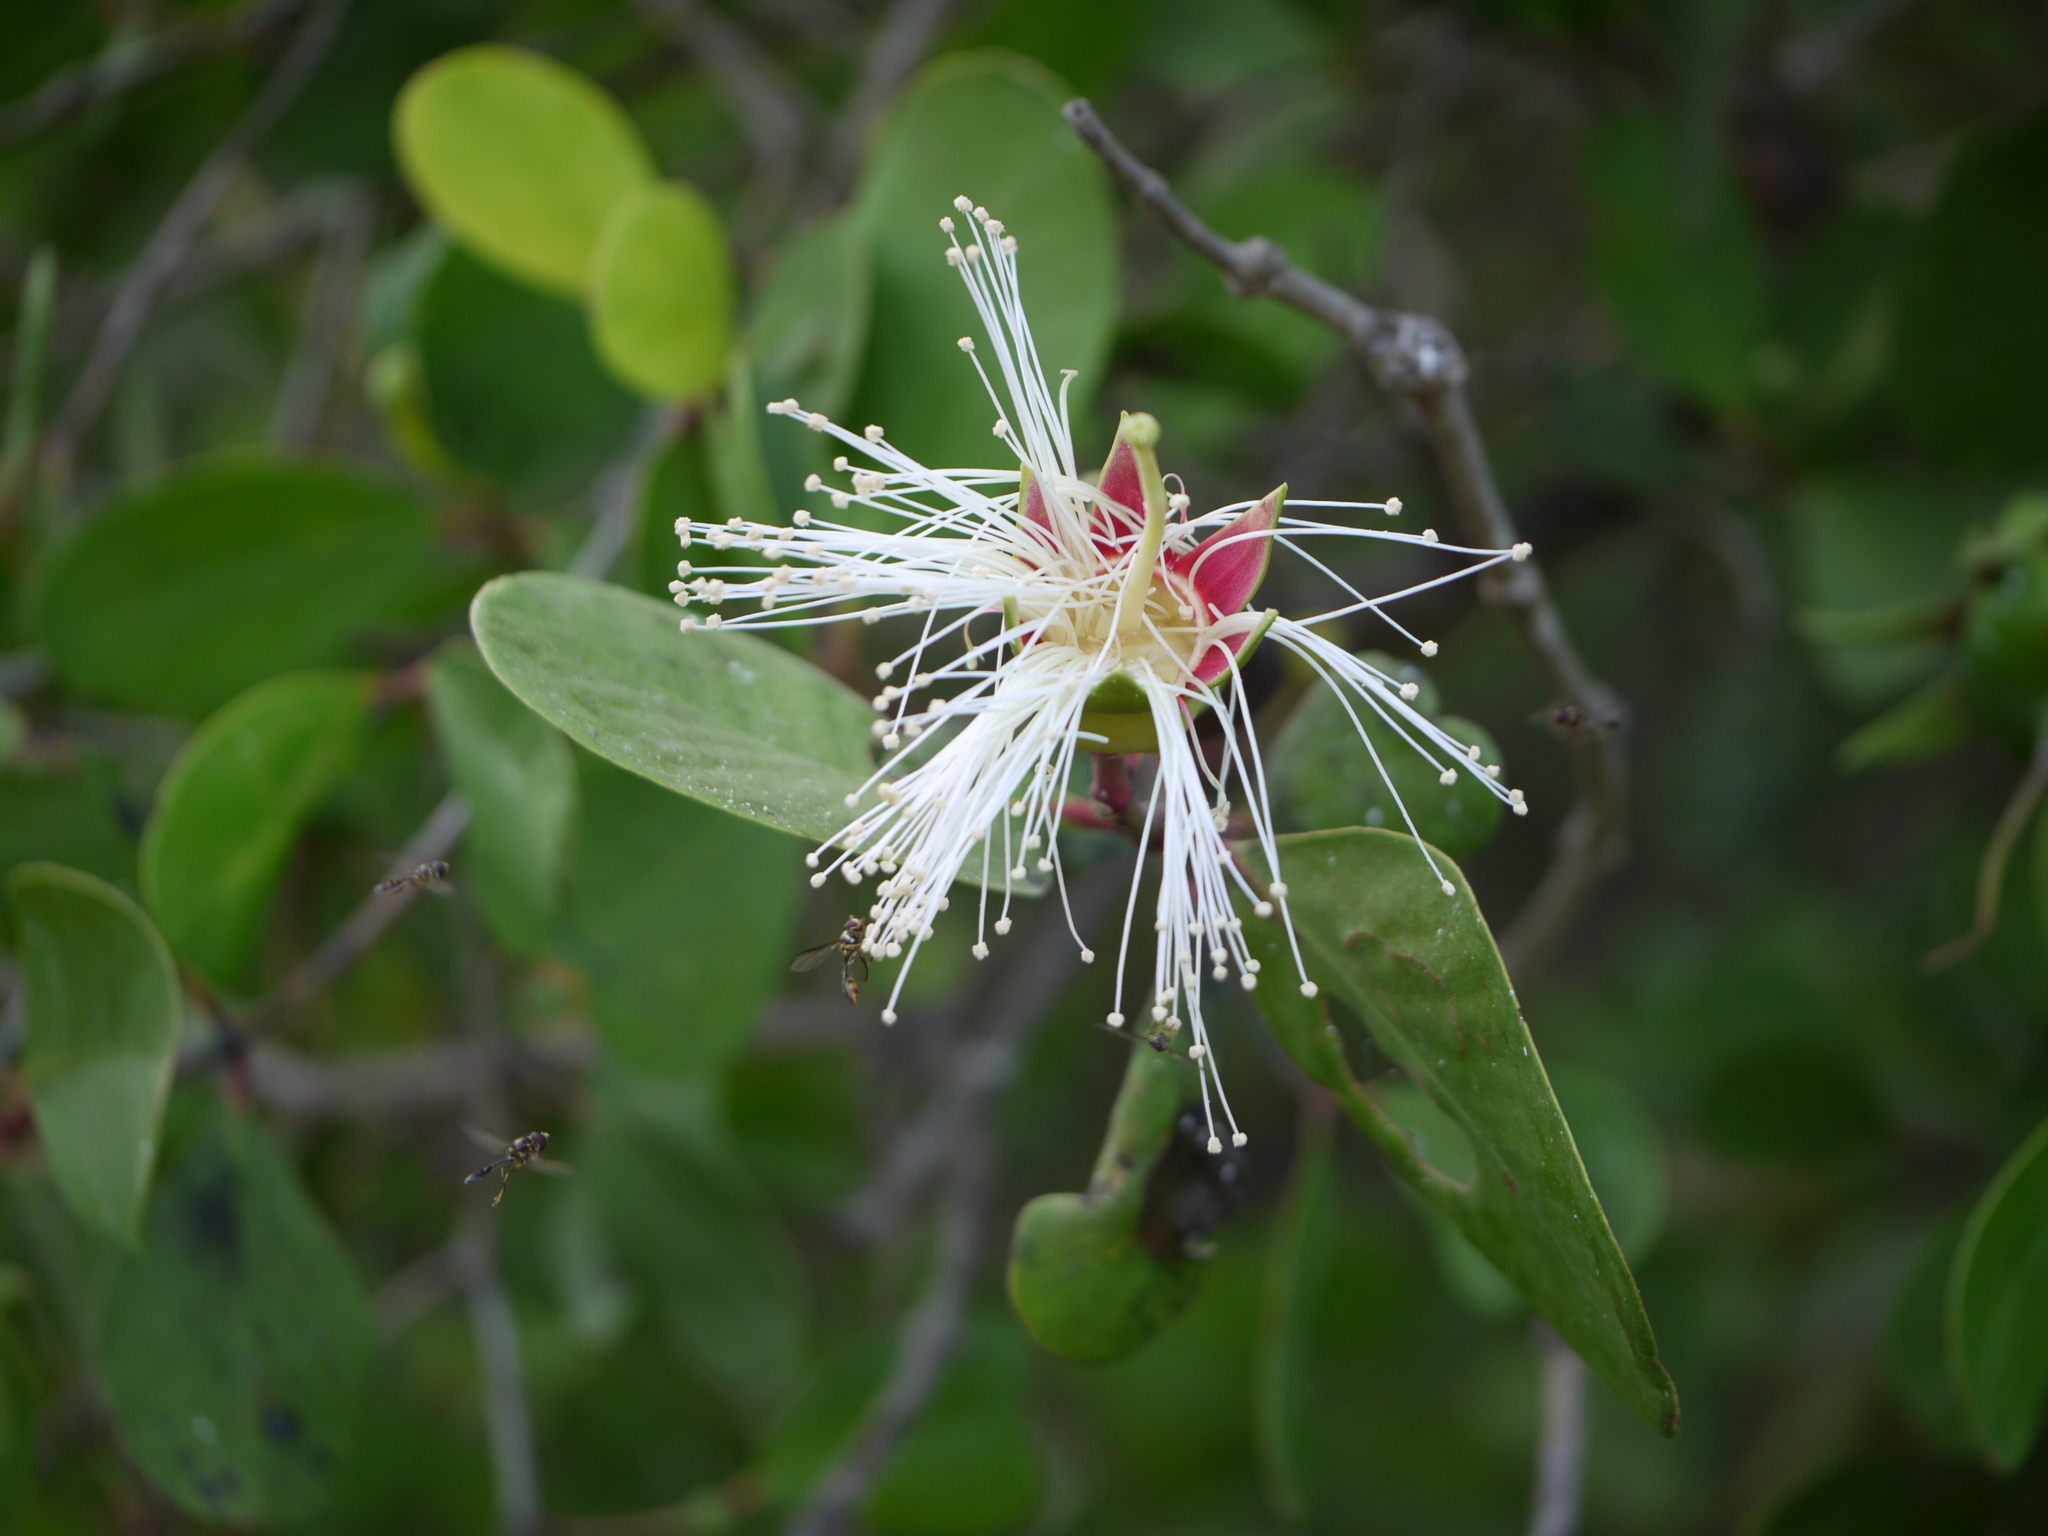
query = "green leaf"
{"x": 2040, "y": 874}
{"x": 514, "y": 391}
{"x": 1997, "y": 1311}
{"x": 1931, "y": 721}
{"x": 810, "y": 325}
{"x": 697, "y": 1235}
{"x": 1916, "y": 1343}
{"x": 519, "y": 777}
{"x": 519, "y": 158}
{"x": 987, "y": 126}
{"x": 1321, "y": 778}
{"x": 233, "y": 1350}
{"x": 230, "y": 808}
{"x": 101, "y": 1002}
{"x": 683, "y": 919}
{"x": 72, "y": 818}
{"x": 1080, "y": 1277}
{"x": 1969, "y": 326}
{"x": 1296, "y": 1264}
{"x": 661, "y": 292}
{"x": 1675, "y": 258}
{"x": 724, "y": 718}
{"x": 1421, "y": 969}
{"x": 178, "y": 597}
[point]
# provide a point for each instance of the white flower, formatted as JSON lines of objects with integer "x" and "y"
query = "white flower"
{"x": 1060, "y": 617}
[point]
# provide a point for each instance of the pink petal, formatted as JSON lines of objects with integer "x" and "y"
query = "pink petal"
{"x": 1034, "y": 502}
{"x": 1226, "y": 568}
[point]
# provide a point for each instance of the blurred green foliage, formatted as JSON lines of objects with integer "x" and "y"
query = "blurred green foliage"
{"x": 1753, "y": 300}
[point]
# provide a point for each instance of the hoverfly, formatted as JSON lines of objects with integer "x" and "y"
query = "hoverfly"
{"x": 431, "y": 876}
{"x": 523, "y": 1152}
{"x": 853, "y": 963}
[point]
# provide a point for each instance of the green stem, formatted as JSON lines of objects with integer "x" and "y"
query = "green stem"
{"x": 1142, "y": 433}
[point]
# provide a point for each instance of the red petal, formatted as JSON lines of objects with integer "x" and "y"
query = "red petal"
{"x": 1215, "y": 661}
{"x": 1034, "y": 502}
{"x": 1226, "y": 568}
{"x": 1121, "y": 484}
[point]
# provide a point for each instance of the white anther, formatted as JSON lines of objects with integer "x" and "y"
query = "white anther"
{"x": 947, "y": 224}
{"x": 1449, "y": 889}
{"x": 1197, "y": 1051}
{"x": 1278, "y": 889}
{"x": 872, "y": 433}
{"x": 1429, "y": 647}
{"x": 1263, "y": 909}
{"x": 1215, "y": 1145}
{"x": 1410, "y": 690}
{"x": 1248, "y": 981}
{"x": 1087, "y": 957}
{"x": 713, "y": 622}
{"x": 966, "y": 343}
{"x": 1238, "y": 1138}
{"x": 817, "y": 882}
{"x": 1220, "y": 973}
{"x": 817, "y": 421}
{"x": 1393, "y": 506}
{"x": 1521, "y": 551}
{"x": 891, "y": 742}
{"x": 1493, "y": 770}
{"x": 1448, "y": 777}
{"x": 980, "y": 950}
{"x": 1045, "y": 866}
{"x": 1115, "y": 1021}
{"x": 689, "y": 625}
{"x": 1308, "y": 989}
{"x": 889, "y": 1014}
{"x": 1002, "y": 926}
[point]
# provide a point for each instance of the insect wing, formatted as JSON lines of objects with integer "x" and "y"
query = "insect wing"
{"x": 553, "y": 1168}
{"x": 501, "y": 1145}
{"x": 811, "y": 959}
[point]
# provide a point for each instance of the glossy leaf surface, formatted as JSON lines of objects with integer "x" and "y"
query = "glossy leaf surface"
{"x": 181, "y": 595}
{"x": 1997, "y": 1309}
{"x": 247, "y": 1418}
{"x": 519, "y": 777}
{"x": 727, "y": 719}
{"x": 102, "y": 1008}
{"x": 232, "y": 804}
{"x": 1422, "y": 970}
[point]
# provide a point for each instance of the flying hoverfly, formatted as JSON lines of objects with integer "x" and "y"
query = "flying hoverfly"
{"x": 522, "y": 1152}
{"x": 853, "y": 964}
{"x": 431, "y": 876}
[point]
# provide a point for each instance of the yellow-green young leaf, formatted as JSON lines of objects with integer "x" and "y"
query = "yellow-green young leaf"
{"x": 728, "y": 719}
{"x": 182, "y": 594}
{"x": 1081, "y": 1277}
{"x": 519, "y": 777}
{"x": 232, "y": 1351}
{"x": 518, "y": 158}
{"x": 100, "y": 998}
{"x": 231, "y": 805}
{"x": 1421, "y": 969}
{"x": 1997, "y": 1311}
{"x": 661, "y": 292}
{"x": 985, "y": 126}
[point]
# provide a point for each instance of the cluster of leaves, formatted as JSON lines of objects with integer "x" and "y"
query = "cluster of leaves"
{"x": 1804, "y": 324}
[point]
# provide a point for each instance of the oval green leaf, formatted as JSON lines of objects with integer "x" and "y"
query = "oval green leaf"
{"x": 519, "y": 158}
{"x": 986, "y": 126}
{"x": 1080, "y": 1278}
{"x": 512, "y": 388}
{"x": 231, "y": 805}
{"x": 728, "y": 719}
{"x": 650, "y": 867}
{"x": 1997, "y": 1310}
{"x": 233, "y": 1350}
{"x": 519, "y": 777}
{"x": 661, "y": 292}
{"x": 1969, "y": 327}
{"x": 100, "y": 999}
{"x": 1421, "y": 969}
{"x": 177, "y": 598}
{"x": 810, "y": 326}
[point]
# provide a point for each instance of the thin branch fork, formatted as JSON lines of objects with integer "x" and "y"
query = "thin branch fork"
{"x": 1415, "y": 358}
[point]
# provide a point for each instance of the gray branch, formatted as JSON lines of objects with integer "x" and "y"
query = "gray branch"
{"x": 1561, "y": 1448}
{"x": 1415, "y": 358}
{"x": 173, "y": 236}
{"x": 132, "y": 62}
{"x": 930, "y": 1332}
